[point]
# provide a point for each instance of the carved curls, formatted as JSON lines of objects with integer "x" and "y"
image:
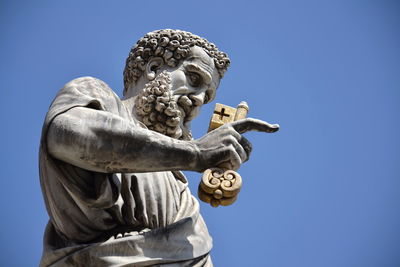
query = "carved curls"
{"x": 157, "y": 109}
{"x": 172, "y": 46}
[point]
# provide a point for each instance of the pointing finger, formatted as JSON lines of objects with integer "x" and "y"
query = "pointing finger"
{"x": 250, "y": 124}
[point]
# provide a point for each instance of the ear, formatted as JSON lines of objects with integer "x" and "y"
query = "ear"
{"x": 152, "y": 66}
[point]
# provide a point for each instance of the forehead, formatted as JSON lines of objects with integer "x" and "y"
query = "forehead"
{"x": 199, "y": 58}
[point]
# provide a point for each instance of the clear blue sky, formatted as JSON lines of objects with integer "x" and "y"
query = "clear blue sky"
{"x": 324, "y": 191}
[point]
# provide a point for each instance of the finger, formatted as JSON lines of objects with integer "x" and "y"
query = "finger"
{"x": 250, "y": 124}
{"x": 230, "y": 159}
{"x": 244, "y": 143}
{"x": 235, "y": 160}
{"x": 247, "y": 146}
{"x": 233, "y": 143}
{"x": 240, "y": 151}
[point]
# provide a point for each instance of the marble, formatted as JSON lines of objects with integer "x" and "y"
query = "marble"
{"x": 110, "y": 168}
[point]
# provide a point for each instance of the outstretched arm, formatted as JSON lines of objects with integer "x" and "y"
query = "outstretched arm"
{"x": 103, "y": 142}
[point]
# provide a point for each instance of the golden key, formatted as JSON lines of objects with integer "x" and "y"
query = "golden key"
{"x": 221, "y": 186}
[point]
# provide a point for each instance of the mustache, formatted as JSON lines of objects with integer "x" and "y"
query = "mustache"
{"x": 187, "y": 103}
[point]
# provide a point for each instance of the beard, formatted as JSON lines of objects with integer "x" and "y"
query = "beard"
{"x": 161, "y": 111}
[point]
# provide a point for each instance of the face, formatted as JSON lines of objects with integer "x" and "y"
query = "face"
{"x": 169, "y": 102}
{"x": 193, "y": 82}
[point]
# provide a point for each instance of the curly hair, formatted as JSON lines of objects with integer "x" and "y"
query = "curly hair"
{"x": 172, "y": 46}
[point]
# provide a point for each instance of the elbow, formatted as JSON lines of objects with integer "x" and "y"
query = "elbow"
{"x": 62, "y": 139}
{"x": 73, "y": 142}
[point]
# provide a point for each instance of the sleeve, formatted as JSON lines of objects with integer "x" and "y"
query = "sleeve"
{"x": 77, "y": 200}
{"x": 92, "y": 189}
{"x": 82, "y": 92}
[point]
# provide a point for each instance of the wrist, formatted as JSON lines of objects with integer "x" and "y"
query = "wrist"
{"x": 194, "y": 155}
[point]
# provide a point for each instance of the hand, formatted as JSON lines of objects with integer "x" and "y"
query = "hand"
{"x": 225, "y": 146}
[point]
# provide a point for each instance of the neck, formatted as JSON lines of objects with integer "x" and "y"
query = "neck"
{"x": 129, "y": 103}
{"x": 129, "y": 99}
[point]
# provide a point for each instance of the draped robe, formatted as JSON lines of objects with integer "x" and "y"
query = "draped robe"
{"x": 115, "y": 219}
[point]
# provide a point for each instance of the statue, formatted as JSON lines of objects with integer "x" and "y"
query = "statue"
{"x": 110, "y": 169}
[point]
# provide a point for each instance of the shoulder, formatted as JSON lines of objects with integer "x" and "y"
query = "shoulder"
{"x": 88, "y": 86}
{"x": 87, "y": 81}
{"x": 84, "y": 92}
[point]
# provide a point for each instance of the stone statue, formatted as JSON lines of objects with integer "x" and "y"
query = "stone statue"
{"x": 110, "y": 169}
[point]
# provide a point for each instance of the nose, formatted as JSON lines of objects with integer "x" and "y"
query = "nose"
{"x": 197, "y": 99}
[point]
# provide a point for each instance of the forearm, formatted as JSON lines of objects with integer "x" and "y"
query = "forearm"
{"x": 103, "y": 142}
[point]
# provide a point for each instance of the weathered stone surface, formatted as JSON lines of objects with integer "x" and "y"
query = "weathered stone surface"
{"x": 110, "y": 168}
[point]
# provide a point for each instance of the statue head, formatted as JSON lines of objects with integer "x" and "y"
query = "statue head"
{"x": 171, "y": 74}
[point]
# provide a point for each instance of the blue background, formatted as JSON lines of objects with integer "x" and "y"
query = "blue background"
{"x": 323, "y": 191}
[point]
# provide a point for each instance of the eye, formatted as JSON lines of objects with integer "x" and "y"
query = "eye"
{"x": 195, "y": 79}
